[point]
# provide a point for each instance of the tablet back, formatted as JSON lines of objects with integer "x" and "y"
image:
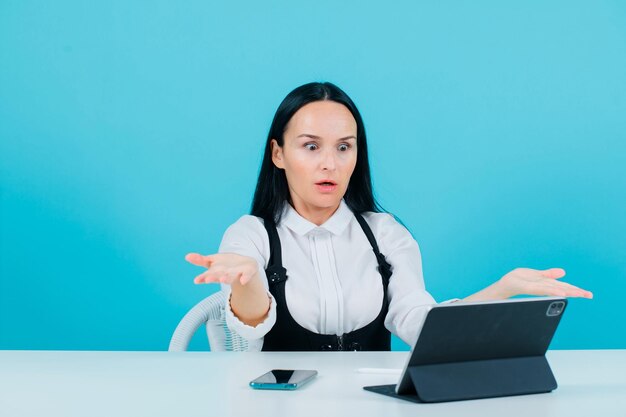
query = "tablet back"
{"x": 480, "y": 344}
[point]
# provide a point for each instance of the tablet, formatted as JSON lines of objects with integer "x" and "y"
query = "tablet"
{"x": 480, "y": 350}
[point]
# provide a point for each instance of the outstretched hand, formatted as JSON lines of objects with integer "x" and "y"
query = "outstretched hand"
{"x": 540, "y": 282}
{"x": 526, "y": 281}
{"x": 225, "y": 268}
{"x": 249, "y": 300}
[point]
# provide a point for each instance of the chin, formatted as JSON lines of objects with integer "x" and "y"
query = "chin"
{"x": 327, "y": 202}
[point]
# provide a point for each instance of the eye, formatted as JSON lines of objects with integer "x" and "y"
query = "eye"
{"x": 344, "y": 147}
{"x": 310, "y": 146}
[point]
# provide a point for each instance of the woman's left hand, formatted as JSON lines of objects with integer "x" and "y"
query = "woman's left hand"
{"x": 526, "y": 281}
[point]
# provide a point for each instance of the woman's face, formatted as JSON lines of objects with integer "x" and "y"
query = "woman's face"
{"x": 318, "y": 156}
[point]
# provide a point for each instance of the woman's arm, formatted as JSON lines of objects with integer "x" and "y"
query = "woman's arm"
{"x": 409, "y": 299}
{"x": 240, "y": 267}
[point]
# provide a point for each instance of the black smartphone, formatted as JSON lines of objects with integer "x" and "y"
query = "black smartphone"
{"x": 283, "y": 379}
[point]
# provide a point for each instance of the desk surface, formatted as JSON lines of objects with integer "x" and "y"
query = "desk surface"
{"x": 53, "y": 383}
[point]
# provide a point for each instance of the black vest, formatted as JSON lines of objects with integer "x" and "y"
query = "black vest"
{"x": 288, "y": 335}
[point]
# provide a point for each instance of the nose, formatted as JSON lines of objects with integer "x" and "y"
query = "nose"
{"x": 328, "y": 161}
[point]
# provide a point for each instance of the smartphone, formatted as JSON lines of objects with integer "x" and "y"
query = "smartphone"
{"x": 283, "y": 379}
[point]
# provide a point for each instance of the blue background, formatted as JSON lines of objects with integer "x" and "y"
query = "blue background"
{"x": 131, "y": 133}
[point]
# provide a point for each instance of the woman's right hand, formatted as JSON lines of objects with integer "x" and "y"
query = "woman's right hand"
{"x": 224, "y": 268}
{"x": 249, "y": 299}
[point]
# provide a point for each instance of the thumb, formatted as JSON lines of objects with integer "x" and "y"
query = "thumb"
{"x": 199, "y": 260}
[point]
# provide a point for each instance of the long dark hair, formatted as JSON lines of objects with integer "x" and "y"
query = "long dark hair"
{"x": 272, "y": 190}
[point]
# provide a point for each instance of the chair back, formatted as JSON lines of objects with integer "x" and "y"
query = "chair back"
{"x": 210, "y": 312}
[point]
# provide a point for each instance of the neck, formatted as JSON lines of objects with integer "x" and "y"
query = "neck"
{"x": 316, "y": 215}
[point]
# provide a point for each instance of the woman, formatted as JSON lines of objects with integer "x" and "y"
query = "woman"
{"x": 317, "y": 266}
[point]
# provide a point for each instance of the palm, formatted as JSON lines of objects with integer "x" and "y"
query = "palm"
{"x": 540, "y": 282}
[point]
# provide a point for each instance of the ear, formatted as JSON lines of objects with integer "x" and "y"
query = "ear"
{"x": 277, "y": 154}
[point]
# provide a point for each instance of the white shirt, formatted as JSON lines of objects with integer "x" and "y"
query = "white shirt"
{"x": 333, "y": 284}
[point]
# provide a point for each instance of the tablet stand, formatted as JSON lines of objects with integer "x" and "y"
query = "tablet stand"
{"x": 467, "y": 380}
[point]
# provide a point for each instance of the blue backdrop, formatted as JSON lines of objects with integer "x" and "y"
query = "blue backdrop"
{"x": 131, "y": 133}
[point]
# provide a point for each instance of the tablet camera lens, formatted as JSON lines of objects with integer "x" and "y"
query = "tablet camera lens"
{"x": 555, "y": 309}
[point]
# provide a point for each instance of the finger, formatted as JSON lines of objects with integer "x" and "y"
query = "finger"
{"x": 569, "y": 292}
{"x": 574, "y": 291}
{"x": 218, "y": 273}
{"x": 563, "y": 284}
{"x": 231, "y": 276}
{"x": 553, "y": 273}
{"x": 244, "y": 278}
{"x": 199, "y": 260}
{"x": 211, "y": 276}
{"x": 226, "y": 277}
{"x": 583, "y": 294}
{"x": 205, "y": 278}
{"x": 562, "y": 289}
{"x": 247, "y": 273}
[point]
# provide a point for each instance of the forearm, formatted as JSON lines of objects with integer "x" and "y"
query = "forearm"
{"x": 250, "y": 302}
{"x": 495, "y": 291}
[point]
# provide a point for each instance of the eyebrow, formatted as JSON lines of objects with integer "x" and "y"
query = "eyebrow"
{"x": 307, "y": 135}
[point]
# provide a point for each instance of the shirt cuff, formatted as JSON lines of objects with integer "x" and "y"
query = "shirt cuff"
{"x": 250, "y": 332}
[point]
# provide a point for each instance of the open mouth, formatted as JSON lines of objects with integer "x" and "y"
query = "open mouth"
{"x": 326, "y": 186}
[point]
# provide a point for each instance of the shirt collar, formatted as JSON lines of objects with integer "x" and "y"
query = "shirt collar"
{"x": 336, "y": 224}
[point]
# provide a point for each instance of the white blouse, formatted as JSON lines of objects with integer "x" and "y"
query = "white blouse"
{"x": 333, "y": 284}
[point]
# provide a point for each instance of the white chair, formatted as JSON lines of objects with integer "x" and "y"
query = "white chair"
{"x": 211, "y": 312}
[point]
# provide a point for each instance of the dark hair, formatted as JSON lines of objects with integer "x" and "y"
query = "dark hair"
{"x": 272, "y": 189}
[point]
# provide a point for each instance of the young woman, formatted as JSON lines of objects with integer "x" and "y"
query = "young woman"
{"x": 317, "y": 265}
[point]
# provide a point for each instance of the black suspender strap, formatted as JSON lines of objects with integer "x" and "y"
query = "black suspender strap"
{"x": 275, "y": 271}
{"x": 383, "y": 266}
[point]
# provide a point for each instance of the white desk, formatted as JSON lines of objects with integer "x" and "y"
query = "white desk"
{"x": 50, "y": 384}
